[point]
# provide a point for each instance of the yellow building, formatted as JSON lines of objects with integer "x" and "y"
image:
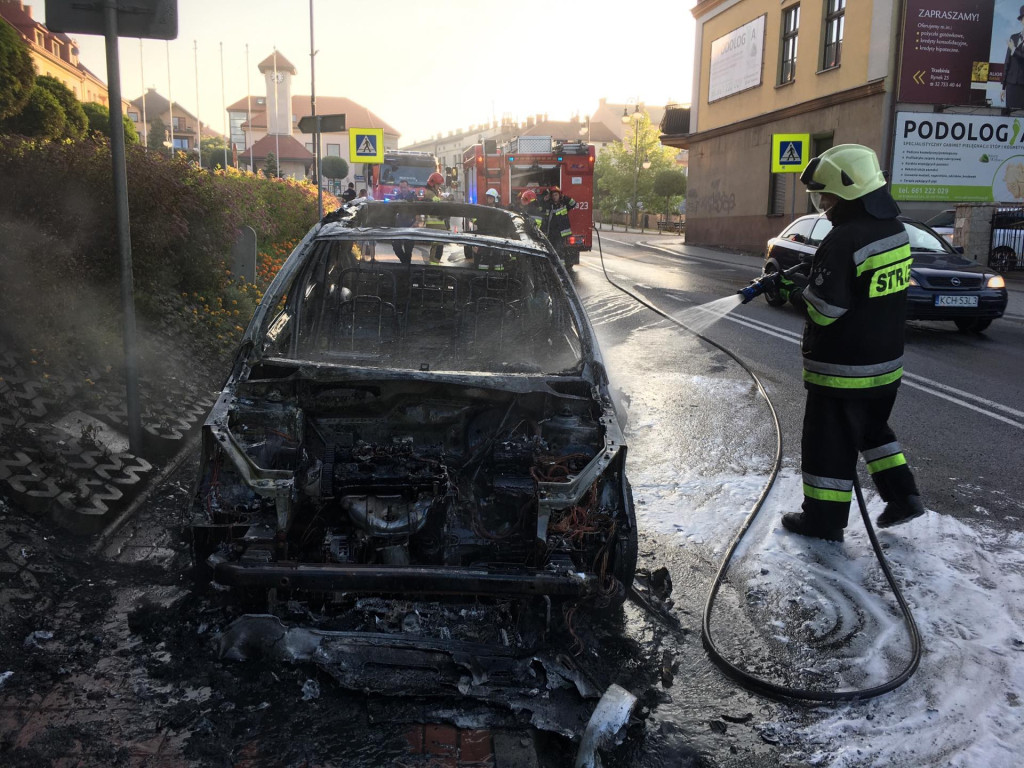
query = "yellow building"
{"x": 54, "y": 54}
{"x": 765, "y": 68}
{"x": 933, "y": 88}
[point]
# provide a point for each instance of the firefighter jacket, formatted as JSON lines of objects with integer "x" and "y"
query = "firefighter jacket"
{"x": 536, "y": 211}
{"x": 856, "y": 306}
{"x": 558, "y": 218}
{"x": 433, "y": 195}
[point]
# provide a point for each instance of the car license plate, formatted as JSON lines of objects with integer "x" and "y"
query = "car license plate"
{"x": 956, "y": 301}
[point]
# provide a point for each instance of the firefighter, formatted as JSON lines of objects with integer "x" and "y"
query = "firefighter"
{"x": 433, "y": 194}
{"x": 855, "y": 301}
{"x": 532, "y": 207}
{"x": 558, "y": 219}
{"x": 403, "y": 248}
{"x": 492, "y": 198}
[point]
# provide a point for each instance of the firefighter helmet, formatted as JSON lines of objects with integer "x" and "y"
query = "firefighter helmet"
{"x": 847, "y": 171}
{"x": 435, "y": 180}
{"x": 492, "y": 192}
{"x": 555, "y": 189}
{"x": 528, "y": 197}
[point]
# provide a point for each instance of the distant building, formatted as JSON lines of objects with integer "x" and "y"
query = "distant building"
{"x": 263, "y": 125}
{"x": 180, "y": 125}
{"x": 920, "y": 86}
{"x": 54, "y": 54}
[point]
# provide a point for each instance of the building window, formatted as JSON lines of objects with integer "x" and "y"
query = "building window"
{"x": 835, "y": 16}
{"x": 181, "y": 144}
{"x": 39, "y": 38}
{"x": 777, "y": 194}
{"x": 179, "y": 123}
{"x": 790, "y": 30}
{"x": 133, "y": 116}
{"x": 310, "y": 148}
{"x": 334, "y": 150}
{"x": 55, "y": 47}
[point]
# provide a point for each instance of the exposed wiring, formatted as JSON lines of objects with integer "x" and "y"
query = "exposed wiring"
{"x": 738, "y": 674}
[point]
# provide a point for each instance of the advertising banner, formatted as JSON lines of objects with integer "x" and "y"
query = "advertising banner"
{"x": 736, "y": 60}
{"x": 958, "y": 158}
{"x": 963, "y": 53}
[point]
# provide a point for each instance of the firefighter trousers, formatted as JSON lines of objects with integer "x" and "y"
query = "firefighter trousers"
{"x": 835, "y": 430}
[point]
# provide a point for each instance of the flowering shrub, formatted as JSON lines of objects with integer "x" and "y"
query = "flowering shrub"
{"x": 184, "y": 221}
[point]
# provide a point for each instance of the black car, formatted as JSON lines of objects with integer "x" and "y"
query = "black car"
{"x": 433, "y": 427}
{"x": 944, "y": 284}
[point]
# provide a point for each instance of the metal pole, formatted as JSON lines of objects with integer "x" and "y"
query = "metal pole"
{"x": 248, "y": 112}
{"x": 277, "y": 119}
{"x": 145, "y": 125}
{"x": 124, "y": 239}
{"x": 792, "y": 206}
{"x": 636, "y": 167}
{"x": 170, "y": 100}
{"x": 199, "y": 123}
{"x": 224, "y": 107}
{"x": 316, "y": 120}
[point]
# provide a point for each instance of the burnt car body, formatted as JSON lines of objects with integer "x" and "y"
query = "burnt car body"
{"x": 944, "y": 285}
{"x": 434, "y": 430}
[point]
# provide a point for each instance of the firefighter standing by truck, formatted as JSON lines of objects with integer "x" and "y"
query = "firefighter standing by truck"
{"x": 558, "y": 227}
{"x": 855, "y": 300}
{"x": 434, "y": 194}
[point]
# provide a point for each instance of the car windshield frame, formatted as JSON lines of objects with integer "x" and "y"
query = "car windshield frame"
{"x": 540, "y": 311}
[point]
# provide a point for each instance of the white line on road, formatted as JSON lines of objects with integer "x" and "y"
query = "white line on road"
{"x": 969, "y": 400}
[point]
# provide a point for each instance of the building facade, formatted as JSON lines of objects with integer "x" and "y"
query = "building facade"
{"x": 54, "y": 54}
{"x": 269, "y": 124}
{"x": 931, "y": 87}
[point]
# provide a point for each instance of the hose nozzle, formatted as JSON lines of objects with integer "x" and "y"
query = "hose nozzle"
{"x": 758, "y": 286}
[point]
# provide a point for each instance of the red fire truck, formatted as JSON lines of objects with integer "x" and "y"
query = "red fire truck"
{"x": 536, "y": 162}
{"x": 399, "y": 165}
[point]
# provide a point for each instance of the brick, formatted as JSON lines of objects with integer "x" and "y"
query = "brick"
{"x": 414, "y": 735}
{"x": 476, "y": 746}
{"x": 440, "y": 740}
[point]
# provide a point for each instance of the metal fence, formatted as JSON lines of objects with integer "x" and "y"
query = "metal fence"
{"x": 1006, "y": 248}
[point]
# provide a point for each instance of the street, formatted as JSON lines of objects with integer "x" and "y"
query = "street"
{"x": 119, "y": 657}
{"x": 701, "y": 448}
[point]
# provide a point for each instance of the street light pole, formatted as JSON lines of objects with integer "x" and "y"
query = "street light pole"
{"x": 636, "y": 117}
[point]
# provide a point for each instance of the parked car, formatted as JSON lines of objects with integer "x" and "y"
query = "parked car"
{"x": 1007, "y": 235}
{"x": 944, "y": 284}
{"x": 943, "y": 223}
{"x": 417, "y": 430}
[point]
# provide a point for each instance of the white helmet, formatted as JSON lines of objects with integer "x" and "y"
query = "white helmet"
{"x": 492, "y": 192}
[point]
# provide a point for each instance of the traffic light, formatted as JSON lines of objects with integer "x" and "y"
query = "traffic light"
{"x": 452, "y": 176}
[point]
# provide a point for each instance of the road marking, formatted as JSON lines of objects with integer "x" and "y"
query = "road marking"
{"x": 969, "y": 400}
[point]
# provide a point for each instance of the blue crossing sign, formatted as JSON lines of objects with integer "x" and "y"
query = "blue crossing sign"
{"x": 790, "y": 152}
{"x": 366, "y": 145}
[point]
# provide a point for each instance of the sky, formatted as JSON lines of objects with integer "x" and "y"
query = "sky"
{"x": 422, "y": 67}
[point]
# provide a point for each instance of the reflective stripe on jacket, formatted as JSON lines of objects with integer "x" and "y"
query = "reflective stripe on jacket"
{"x": 856, "y": 305}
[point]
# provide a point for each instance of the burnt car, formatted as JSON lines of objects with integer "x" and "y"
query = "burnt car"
{"x": 945, "y": 285}
{"x": 417, "y": 412}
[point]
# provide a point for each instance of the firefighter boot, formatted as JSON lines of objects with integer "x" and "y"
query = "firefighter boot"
{"x": 799, "y": 522}
{"x": 900, "y": 511}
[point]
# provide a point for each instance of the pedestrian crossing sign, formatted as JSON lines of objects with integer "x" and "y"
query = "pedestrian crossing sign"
{"x": 790, "y": 152}
{"x": 366, "y": 145}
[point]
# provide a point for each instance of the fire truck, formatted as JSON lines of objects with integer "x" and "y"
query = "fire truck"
{"x": 399, "y": 165}
{"x": 536, "y": 162}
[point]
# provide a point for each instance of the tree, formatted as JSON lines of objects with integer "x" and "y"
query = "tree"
{"x": 41, "y": 118}
{"x": 671, "y": 186}
{"x": 99, "y": 122}
{"x": 270, "y": 166}
{"x": 156, "y": 135}
{"x": 619, "y": 164}
{"x": 75, "y": 121}
{"x": 213, "y": 149}
{"x": 17, "y": 75}
{"x": 333, "y": 167}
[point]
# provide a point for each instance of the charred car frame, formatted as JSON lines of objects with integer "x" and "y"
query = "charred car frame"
{"x": 436, "y": 424}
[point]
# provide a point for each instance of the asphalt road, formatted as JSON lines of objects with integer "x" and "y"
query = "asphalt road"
{"x": 960, "y": 412}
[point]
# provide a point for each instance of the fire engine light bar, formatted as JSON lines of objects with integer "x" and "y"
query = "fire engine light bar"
{"x": 511, "y": 159}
